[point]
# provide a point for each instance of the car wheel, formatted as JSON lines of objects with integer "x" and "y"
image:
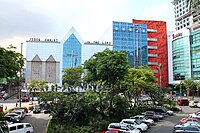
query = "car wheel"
{"x": 140, "y": 129}
{"x": 28, "y": 132}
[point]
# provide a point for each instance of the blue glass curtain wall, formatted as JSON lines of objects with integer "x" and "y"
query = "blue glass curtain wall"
{"x": 132, "y": 38}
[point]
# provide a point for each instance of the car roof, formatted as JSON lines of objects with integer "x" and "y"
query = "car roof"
{"x": 138, "y": 116}
{"x": 15, "y": 124}
{"x": 129, "y": 119}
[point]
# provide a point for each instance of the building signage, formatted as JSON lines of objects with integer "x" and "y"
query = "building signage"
{"x": 176, "y": 35}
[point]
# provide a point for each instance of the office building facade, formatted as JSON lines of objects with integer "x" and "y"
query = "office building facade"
{"x": 185, "y": 16}
{"x": 146, "y": 43}
{"x": 185, "y": 42}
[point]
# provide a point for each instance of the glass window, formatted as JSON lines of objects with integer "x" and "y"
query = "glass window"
{"x": 20, "y": 126}
{"x": 12, "y": 128}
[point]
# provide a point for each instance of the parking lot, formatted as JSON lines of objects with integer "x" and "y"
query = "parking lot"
{"x": 39, "y": 121}
{"x": 167, "y": 124}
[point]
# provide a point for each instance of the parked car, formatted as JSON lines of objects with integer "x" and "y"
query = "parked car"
{"x": 184, "y": 120}
{"x": 164, "y": 111}
{"x": 188, "y": 123}
{"x": 13, "y": 115}
{"x": 152, "y": 115}
{"x": 189, "y": 129}
{"x": 136, "y": 124}
{"x": 195, "y": 115}
{"x": 182, "y": 102}
{"x": 36, "y": 109}
{"x": 25, "y": 99}
{"x": 144, "y": 119}
{"x": 113, "y": 131}
{"x": 193, "y": 103}
{"x": 11, "y": 119}
{"x": 123, "y": 128}
{"x": 20, "y": 128}
{"x": 21, "y": 113}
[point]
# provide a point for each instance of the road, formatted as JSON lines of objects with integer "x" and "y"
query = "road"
{"x": 38, "y": 121}
{"x": 166, "y": 125}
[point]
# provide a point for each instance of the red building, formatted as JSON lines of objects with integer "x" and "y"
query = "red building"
{"x": 157, "y": 48}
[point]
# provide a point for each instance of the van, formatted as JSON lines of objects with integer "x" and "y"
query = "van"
{"x": 183, "y": 102}
{"x": 193, "y": 103}
{"x": 20, "y": 128}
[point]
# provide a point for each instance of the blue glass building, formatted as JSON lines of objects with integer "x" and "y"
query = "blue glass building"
{"x": 132, "y": 38}
{"x": 72, "y": 45}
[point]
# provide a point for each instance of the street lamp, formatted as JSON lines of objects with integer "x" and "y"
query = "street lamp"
{"x": 137, "y": 55}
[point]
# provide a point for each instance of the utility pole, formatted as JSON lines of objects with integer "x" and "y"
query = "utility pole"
{"x": 20, "y": 87}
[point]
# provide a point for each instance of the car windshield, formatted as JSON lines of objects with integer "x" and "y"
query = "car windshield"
{"x": 146, "y": 118}
{"x": 138, "y": 122}
{"x": 130, "y": 127}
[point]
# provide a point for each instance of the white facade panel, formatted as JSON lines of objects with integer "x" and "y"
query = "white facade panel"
{"x": 43, "y": 50}
{"x": 89, "y": 49}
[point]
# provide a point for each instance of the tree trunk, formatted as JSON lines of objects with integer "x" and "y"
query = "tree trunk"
{"x": 188, "y": 92}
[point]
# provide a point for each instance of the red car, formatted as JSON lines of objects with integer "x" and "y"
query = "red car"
{"x": 25, "y": 99}
{"x": 114, "y": 131}
{"x": 184, "y": 120}
{"x": 183, "y": 102}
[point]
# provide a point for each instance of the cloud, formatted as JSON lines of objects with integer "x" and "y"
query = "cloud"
{"x": 16, "y": 21}
{"x": 162, "y": 12}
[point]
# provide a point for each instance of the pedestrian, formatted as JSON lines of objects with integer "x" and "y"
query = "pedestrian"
{"x": 5, "y": 107}
{"x": 16, "y": 104}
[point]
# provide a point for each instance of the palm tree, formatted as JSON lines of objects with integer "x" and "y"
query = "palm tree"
{"x": 198, "y": 87}
{"x": 189, "y": 84}
{"x": 160, "y": 69}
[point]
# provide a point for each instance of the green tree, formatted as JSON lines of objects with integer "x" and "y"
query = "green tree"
{"x": 11, "y": 63}
{"x": 108, "y": 66}
{"x": 197, "y": 83}
{"x": 189, "y": 85}
{"x": 138, "y": 80}
{"x": 72, "y": 77}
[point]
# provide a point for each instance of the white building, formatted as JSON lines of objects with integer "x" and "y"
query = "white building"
{"x": 91, "y": 48}
{"x": 43, "y": 60}
{"x": 185, "y": 17}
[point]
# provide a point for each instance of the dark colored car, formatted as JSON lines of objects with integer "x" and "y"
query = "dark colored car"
{"x": 183, "y": 102}
{"x": 159, "y": 110}
{"x": 152, "y": 115}
{"x": 11, "y": 119}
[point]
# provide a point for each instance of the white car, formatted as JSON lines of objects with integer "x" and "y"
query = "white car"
{"x": 20, "y": 128}
{"x": 14, "y": 115}
{"x": 21, "y": 112}
{"x": 193, "y": 103}
{"x": 123, "y": 128}
{"x": 144, "y": 119}
{"x": 136, "y": 124}
{"x": 189, "y": 123}
{"x": 196, "y": 115}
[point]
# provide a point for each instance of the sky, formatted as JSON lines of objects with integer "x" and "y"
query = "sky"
{"x": 24, "y": 19}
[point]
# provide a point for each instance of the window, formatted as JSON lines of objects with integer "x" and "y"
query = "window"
{"x": 20, "y": 126}
{"x": 13, "y": 128}
{"x": 28, "y": 125}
